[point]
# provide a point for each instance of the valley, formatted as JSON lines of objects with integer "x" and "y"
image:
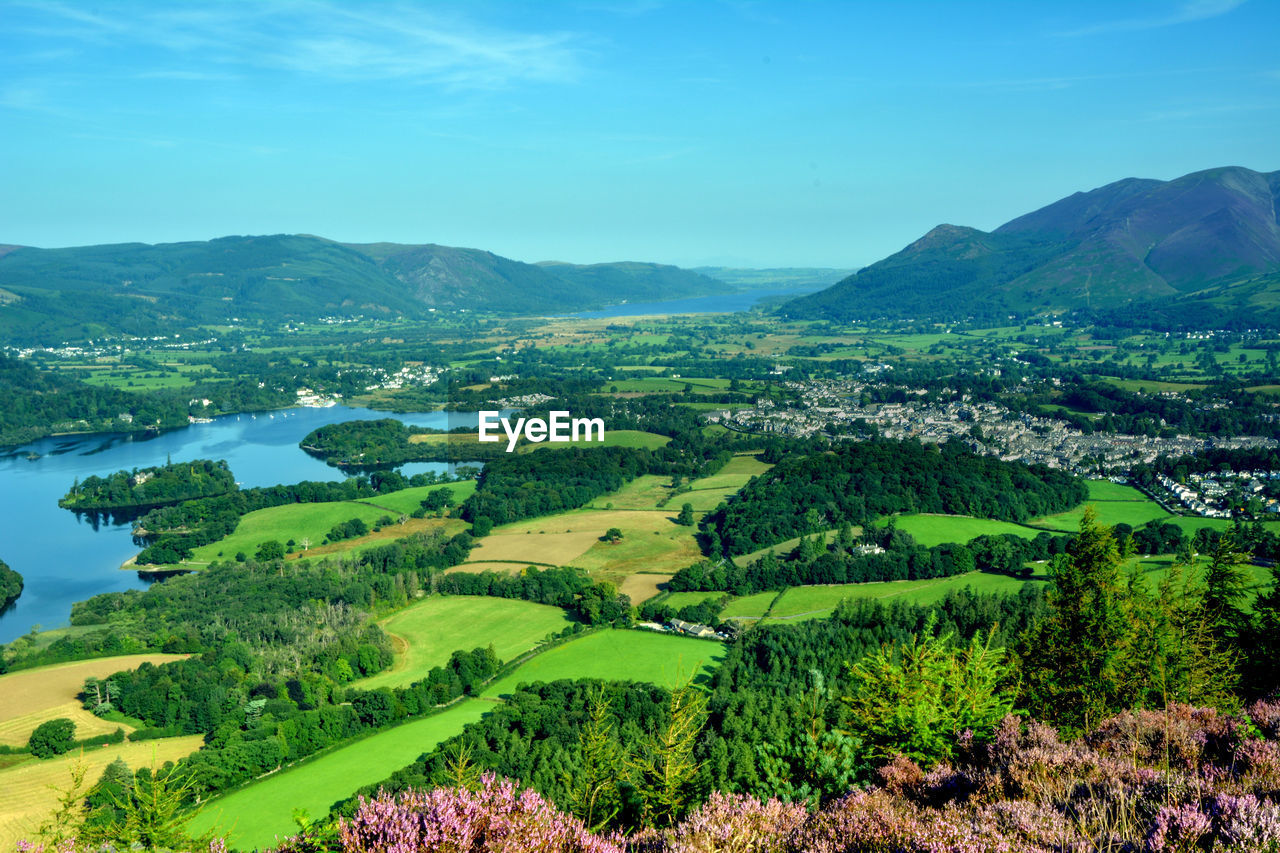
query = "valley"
{"x": 285, "y": 565}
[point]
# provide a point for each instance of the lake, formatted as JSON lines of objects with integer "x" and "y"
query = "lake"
{"x": 722, "y": 303}
{"x": 64, "y": 558}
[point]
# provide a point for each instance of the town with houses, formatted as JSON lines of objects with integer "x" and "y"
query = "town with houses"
{"x": 836, "y": 408}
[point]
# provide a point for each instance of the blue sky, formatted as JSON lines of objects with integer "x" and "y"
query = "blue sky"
{"x": 743, "y": 133}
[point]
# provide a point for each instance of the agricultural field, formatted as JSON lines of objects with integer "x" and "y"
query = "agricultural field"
{"x": 815, "y": 602}
{"x": 385, "y": 536}
{"x": 30, "y": 697}
{"x": 648, "y": 491}
{"x": 407, "y": 500}
{"x": 930, "y": 530}
{"x": 29, "y": 794}
{"x": 1132, "y": 512}
{"x": 619, "y": 655}
{"x": 1105, "y": 490}
{"x": 254, "y": 816}
{"x": 663, "y": 385}
{"x": 548, "y": 549}
{"x": 748, "y": 607}
{"x": 651, "y": 542}
{"x": 707, "y": 493}
{"x": 676, "y": 600}
{"x": 282, "y": 523}
{"x": 426, "y": 633}
{"x": 642, "y": 586}
{"x": 502, "y": 568}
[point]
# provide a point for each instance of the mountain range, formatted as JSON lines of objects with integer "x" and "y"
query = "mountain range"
{"x": 1203, "y": 249}
{"x": 137, "y": 288}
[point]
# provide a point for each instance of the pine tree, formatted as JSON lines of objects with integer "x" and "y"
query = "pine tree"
{"x": 1072, "y": 659}
{"x": 1226, "y": 590}
{"x": 665, "y": 767}
{"x": 594, "y": 794}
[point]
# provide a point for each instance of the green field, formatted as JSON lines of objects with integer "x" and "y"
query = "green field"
{"x": 428, "y": 632}
{"x": 1132, "y": 512}
{"x": 749, "y": 607}
{"x": 930, "y": 530}
{"x": 407, "y": 500}
{"x": 648, "y": 491}
{"x": 707, "y": 493}
{"x": 282, "y": 523}
{"x": 677, "y": 600}
{"x": 619, "y": 656}
{"x": 815, "y": 602}
{"x": 256, "y": 815}
{"x": 1105, "y": 490}
{"x": 625, "y": 438}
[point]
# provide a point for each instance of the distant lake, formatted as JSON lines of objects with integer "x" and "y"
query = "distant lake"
{"x": 723, "y": 303}
{"x": 63, "y": 558}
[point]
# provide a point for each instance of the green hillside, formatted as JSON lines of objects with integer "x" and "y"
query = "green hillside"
{"x": 1205, "y": 244}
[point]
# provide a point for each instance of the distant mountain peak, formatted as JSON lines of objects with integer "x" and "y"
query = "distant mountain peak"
{"x": 1131, "y": 242}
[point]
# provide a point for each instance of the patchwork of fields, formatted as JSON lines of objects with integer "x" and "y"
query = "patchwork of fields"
{"x": 428, "y": 632}
{"x": 29, "y": 794}
{"x": 30, "y": 697}
{"x": 252, "y": 814}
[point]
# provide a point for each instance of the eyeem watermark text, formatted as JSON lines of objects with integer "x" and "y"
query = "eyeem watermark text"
{"x": 560, "y": 427}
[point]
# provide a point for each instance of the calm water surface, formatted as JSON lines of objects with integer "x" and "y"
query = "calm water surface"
{"x": 63, "y": 558}
{"x": 726, "y": 303}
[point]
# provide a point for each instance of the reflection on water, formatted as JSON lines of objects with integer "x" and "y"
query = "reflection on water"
{"x": 66, "y": 557}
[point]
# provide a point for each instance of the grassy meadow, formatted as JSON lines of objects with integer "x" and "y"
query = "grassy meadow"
{"x": 282, "y": 523}
{"x": 256, "y": 815}
{"x": 426, "y": 633}
{"x": 617, "y": 655}
{"x": 407, "y": 500}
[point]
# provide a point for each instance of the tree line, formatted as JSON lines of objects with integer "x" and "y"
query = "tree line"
{"x": 861, "y": 481}
{"x": 572, "y": 589}
{"x": 170, "y": 533}
{"x": 10, "y": 589}
{"x": 150, "y": 487}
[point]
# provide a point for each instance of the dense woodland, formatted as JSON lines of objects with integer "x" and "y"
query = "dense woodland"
{"x": 254, "y": 726}
{"x": 150, "y": 487}
{"x": 385, "y": 443}
{"x": 771, "y": 724}
{"x": 10, "y": 588}
{"x": 884, "y": 554}
{"x": 860, "y": 482}
{"x": 528, "y": 485}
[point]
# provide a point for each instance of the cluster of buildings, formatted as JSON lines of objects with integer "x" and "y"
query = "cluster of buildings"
{"x": 411, "y": 374}
{"x": 689, "y": 629}
{"x": 1212, "y": 495}
{"x": 109, "y": 348}
{"x": 837, "y": 407}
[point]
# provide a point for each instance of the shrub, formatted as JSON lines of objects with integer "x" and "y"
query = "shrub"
{"x": 52, "y": 737}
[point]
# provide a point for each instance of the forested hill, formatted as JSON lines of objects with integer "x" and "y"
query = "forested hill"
{"x": 50, "y": 295}
{"x": 859, "y": 482}
{"x": 1204, "y": 248}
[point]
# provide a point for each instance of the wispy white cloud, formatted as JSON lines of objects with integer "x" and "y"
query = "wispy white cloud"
{"x": 313, "y": 38}
{"x": 1185, "y": 13}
